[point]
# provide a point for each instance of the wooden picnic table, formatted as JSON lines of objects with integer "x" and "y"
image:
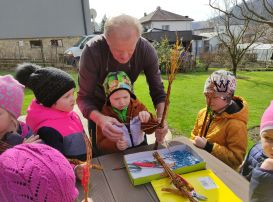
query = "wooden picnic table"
{"x": 114, "y": 185}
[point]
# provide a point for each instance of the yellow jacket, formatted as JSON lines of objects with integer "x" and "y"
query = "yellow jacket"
{"x": 228, "y": 133}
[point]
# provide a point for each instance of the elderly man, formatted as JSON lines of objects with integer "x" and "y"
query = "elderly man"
{"x": 120, "y": 48}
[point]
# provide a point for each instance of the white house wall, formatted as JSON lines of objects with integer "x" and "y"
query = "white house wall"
{"x": 213, "y": 44}
{"x": 197, "y": 46}
{"x": 235, "y": 29}
{"x": 173, "y": 25}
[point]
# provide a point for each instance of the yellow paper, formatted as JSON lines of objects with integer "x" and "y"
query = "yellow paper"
{"x": 213, "y": 188}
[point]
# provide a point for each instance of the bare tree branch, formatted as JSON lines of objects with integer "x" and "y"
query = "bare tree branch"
{"x": 265, "y": 5}
{"x": 249, "y": 13}
{"x": 255, "y": 16}
{"x": 234, "y": 32}
{"x": 252, "y": 11}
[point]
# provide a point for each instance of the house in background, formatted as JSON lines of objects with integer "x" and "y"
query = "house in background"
{"x": 161, "y": 23}
{"x": 37, "y": 29}
{"x": 165, "y": 20}
{"x": 211, "y": 30}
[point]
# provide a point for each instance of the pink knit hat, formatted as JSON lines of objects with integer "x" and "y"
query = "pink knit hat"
{"x": 11, "y": 95}
{"x": 36, "y": 172}
{"x": 267, "y": 119}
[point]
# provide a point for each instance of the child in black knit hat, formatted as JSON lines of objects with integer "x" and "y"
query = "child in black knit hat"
{"x": 51, "y": 114}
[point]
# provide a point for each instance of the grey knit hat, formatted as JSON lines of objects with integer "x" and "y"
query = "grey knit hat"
{"x": 48, "y": 84}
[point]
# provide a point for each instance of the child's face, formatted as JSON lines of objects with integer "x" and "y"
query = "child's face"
{"x": 216, "y": 102}
{"x": 267, "y": 143}
{"x": 120, "y": 99}
{"x": 66, "y": 102}
{"x": 5, "y": 122}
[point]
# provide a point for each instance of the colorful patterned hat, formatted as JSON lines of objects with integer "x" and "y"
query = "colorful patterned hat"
{"x": 115, "y": 81}
{"x": 221, "y": 82}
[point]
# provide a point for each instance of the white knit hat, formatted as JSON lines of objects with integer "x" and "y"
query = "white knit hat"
{"x": 223, "y": 83}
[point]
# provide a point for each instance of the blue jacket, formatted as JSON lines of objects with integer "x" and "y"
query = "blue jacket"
{"x": 261, "y": 185}
{"x": 254, "y": 157}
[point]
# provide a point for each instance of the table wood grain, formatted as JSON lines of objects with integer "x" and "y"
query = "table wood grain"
{"x": 114, "y": 185}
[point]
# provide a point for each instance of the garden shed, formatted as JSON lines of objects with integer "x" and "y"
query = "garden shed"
{"x": 263, "y": 52}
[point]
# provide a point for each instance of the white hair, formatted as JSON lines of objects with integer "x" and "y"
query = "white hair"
{"x": 114, "y": 24}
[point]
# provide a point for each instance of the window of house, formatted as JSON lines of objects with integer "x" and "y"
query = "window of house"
{"x": 56, "y": 42}
{"x": 36, "y": 43}
{"x": 146, "y": 28}
{"x": 166, "y": 27}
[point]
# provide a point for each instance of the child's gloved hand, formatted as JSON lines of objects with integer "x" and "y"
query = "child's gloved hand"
{"x": 12, "y": 138}
{"x": 32, "y": 139}
{"x": 122, "y": 144}
{"x": 200, "y": 142}
{"x": 144, "y": 116}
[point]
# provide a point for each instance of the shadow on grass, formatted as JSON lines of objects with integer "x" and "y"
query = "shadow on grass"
{"x": 247, "y": 78}
{"x": 189, "y": 74}
{"x": 259, "y": 83}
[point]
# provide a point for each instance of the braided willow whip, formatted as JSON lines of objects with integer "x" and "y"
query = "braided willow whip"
{"x": 176, "y": 61}
{"x": 183, "y": 188}
{"x": 87, "y": 166}
{"x": 86, "y": 169}
{"x": 209, "y": 95}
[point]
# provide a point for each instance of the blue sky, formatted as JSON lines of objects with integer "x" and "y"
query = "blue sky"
{"x": 195, "y": 9}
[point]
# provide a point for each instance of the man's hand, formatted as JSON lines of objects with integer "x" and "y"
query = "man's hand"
{"x": 160, "y": 133}
{"x": 200, "y": 142}
{"x": 122, "y": 144}
{"x": 32, "y": 139}
{"x": 111, "y": 128}
{"x": 144, "y": 116}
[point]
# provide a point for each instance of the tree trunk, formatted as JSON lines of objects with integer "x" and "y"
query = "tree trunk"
{"x": 42, "y": 53}
{"x": 234, "y": 68}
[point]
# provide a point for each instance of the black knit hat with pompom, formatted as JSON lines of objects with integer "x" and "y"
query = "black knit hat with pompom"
{"x": 48, "y": 84}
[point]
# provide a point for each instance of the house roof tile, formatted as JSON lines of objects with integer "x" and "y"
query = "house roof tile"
{"x": 162, "y": 15}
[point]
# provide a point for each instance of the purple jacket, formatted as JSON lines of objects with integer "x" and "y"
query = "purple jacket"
{"x": 97, "y": 61}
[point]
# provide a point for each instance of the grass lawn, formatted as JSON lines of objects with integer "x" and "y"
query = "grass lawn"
{"x": 187, "y": 96}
